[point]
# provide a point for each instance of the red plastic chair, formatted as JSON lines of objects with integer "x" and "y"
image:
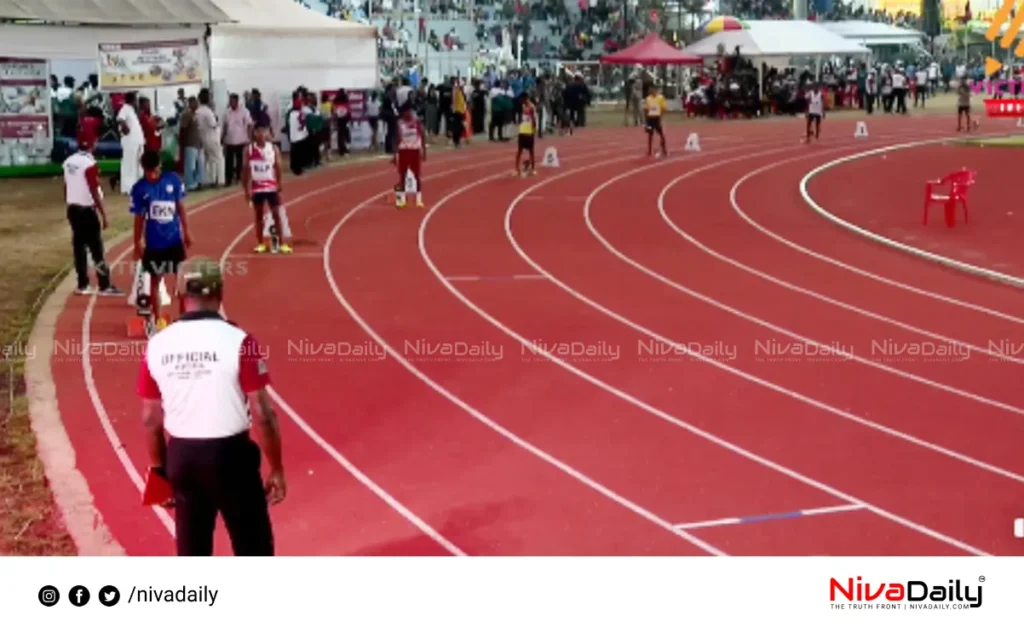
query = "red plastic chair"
{"x": 958, "y": 182}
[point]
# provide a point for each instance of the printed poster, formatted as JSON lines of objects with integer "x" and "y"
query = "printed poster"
{"x": 25, "y": 101}
{"x": 137, "y": 65}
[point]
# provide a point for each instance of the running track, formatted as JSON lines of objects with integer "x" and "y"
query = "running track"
{"x": 684, "y": 419}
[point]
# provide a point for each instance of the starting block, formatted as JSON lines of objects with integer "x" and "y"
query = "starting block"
{"x": 692, "y": 143}
{"x": 411, "y": 189}
{"x": 270, "y": 229}
{"x": 861, "y": 131}
{"x": 550, "y": 158}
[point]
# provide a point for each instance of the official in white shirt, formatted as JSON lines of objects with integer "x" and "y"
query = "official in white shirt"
{"x": 899, "y": 90}
{"x": 920, "y": 87}
{"x": 199, "y": 381}
{"x": 133, "y": 142}
{"x": 87, "y": 217}
{"x": 298, "y": 134}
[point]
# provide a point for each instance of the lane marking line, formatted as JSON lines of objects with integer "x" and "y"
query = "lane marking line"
{"x": 466, "y": 407}
{"x": 927, "y": 255}
{"x": 662, "y": 414}
{"x": 776, "y": 516}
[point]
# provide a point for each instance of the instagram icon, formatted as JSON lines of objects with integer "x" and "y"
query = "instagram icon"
{"x": 49, "y": 596}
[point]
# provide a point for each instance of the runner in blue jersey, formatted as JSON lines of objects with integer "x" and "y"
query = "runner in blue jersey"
{"x": 160, "y": 218}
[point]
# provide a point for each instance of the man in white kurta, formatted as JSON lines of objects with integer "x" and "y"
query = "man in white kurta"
{"x": 132, "y": 143}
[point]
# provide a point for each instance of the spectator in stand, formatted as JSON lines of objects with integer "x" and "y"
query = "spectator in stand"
{"x": 238, "y": 126}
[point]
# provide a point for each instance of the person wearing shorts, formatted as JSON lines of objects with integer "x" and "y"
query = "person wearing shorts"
{"x": 527, "y": 133}
{"x": 156, "y": 203}
{"x": 815, "y": 111}
{"x": 963, "y": 104}
{"x": 410, "y": 152}
{"x": 261, "y": 181}
{"x": 654, "y": 107}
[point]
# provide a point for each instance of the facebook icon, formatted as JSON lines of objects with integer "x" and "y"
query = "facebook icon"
{"x": 79, "y": 596}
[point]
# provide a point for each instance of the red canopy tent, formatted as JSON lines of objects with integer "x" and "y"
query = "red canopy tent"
{"x": 651, "y": 50}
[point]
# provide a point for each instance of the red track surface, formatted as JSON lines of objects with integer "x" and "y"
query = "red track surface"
{"x": 515, "y": 451}
{"x": 989, "y": 240}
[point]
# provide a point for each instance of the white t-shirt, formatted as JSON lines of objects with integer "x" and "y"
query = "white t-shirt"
{"x": 373, "y": 107}
{"x": 201, "y": 368}
{"x": 79, "y": 168}
{"x": 922, "y": 77}
{"x": 297, "y": 131}
{"x": 899, "y": 80}
{"x": 128, "y": 116}
{"x": 815, "y": 103}
{"x": 402, "y": 94}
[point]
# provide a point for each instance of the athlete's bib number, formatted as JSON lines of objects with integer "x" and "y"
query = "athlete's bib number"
{"x": 162, "y": 212}
{"x": 260, "y": 168}
{"x": 654, "y": 110}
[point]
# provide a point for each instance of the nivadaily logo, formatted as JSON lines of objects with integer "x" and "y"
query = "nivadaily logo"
{"x": 913, "y": 594}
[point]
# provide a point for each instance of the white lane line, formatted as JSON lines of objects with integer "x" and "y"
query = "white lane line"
{"x": 761, "y": 518}
{"x": 839, "y": 352}
{"x": 980, "y": 271}
{"x": 87, "y": 372}
{"x": 466, "y": 407}
{"x": 662, "y": 414}
{"x": 318, "y": 439}
{"x": 805, "y": 291}
{"x": 864, "y": 273}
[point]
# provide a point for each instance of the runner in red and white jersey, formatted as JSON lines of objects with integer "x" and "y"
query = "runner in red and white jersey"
{"x": 261, "y": 180}
{"x": 410, "y": 152}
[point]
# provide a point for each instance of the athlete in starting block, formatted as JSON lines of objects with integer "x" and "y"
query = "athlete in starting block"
{"x": 527, "y": 137}
{"x": 410, "y": 152}
{"x": 261, "y": 180}
{"x": 156, "y": 203}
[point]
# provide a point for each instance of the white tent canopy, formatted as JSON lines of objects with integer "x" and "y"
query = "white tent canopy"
{"x": 147, "y": 12}
{"x": 873, "y": 33}
{"x": 277, "y": 44}
{"x": 777, "y": 38}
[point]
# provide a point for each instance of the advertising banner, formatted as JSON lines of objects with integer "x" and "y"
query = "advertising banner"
{"x": 137, "y": 65}
{"x": 24, "y": 98}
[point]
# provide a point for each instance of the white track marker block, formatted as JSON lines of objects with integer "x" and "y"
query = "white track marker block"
{"x": 692, "y": 143}
{"x": 411, "y": 186}
{"x": 268, "y": 223}
{"x": 550, "y": 158}
{"x": 861, "y": 131}
{"x": 141, "y": 280}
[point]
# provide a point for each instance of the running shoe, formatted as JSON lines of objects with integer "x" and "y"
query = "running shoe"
{"x": 111, "y": 291}
{"x": 286, "y": 249}
{"x": 88, "y": 290}
{"x": 262, "y": 248}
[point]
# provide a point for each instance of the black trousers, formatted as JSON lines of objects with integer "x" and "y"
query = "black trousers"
{"x": 233, "y": 163}
{"x": 219, "y": 476}
{"x": 343, "y": 136}
{"x": 901, "y": 100}
{"x": 87, "y": 235}
{"x": 497, "y": 125}
{"x": 298, "y": 156}
{"x": 456, "y": 123}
